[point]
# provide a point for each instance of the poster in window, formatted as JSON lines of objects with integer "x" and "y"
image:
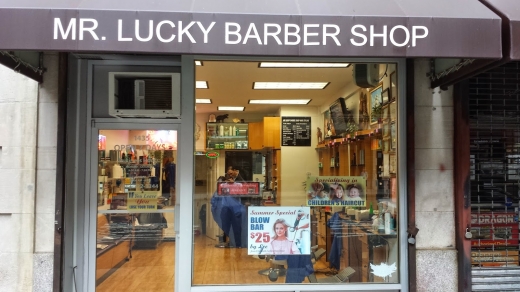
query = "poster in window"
{"x": 336, "y": 191}
{"x": 278, "y": 230}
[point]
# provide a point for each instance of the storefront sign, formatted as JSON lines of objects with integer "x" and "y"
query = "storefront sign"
{"x": 336, "y": 191}
{"x": 296, "y": 131}
{"x": 238, "y": 188}
{"x": 142, "y": 202}
{"x": 207, "y": 27}
{"x": 278, "y": 230}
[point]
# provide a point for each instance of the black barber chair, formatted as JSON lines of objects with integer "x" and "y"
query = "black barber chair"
{"x": 149, "y": 232}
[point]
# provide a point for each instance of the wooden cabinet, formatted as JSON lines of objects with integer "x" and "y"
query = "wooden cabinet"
{"x": 272, "y": 132}
{"x": 256, "y": 135}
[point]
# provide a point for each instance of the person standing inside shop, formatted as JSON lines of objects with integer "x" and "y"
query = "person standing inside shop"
{"x": 233, "y": 174}
{"x": 168, "y": 180}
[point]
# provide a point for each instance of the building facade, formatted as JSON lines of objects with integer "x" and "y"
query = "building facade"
{"x": 48, "y": 145}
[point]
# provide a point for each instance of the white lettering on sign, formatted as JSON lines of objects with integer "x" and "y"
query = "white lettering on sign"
{"x": 274, "y": 34}
{"x": 158, "y": 31}
{"x": 85, "y": 25}
{"x": 281, "y": 34}
{"x": 492, "y": 218}
{"x": 65, "y": 34}
{"x": 358, "y": 30}
{"x": 166, "y": 34}
{"x": 294, "y": 33}
{"x": 234, "y": 32}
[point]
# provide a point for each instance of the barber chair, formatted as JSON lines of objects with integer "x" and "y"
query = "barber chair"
{"x": 341, "y": 277}
{"x": 278, "y": 267}
{"x": 149, "y": 232}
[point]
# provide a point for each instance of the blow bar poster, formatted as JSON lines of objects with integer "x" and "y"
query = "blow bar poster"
{"x": 336, "y": 191}
{"x": 278, "y": 230}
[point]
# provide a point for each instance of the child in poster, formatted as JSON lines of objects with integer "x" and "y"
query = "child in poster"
{"x": 278, "y": 230}
{"x": 336, "y": 191}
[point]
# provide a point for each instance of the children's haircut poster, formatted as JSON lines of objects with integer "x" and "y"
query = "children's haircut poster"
{"x": 336, "y": 191}
{"x": 279, "y": 230}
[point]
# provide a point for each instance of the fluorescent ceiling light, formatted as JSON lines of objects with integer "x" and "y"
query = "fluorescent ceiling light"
{"x": 201, "y": 84}
{"x": 231, "y": 108}
{"x": 279, "y": 101}
{"x": 289, "y": 85}
{"x": 198, "y": 63}
{"x": 202, "y": 100}
{"x": 302, "y": 65}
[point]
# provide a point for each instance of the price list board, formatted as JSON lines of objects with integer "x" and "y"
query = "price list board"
{"x": 296, "y": 131}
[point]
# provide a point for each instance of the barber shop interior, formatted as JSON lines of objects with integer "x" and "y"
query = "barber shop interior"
{"x": 295, "y": 175}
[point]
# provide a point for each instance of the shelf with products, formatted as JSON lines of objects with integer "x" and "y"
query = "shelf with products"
{"x": 227, "y": 135}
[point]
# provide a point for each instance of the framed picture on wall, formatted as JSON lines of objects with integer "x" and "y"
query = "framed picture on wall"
{"x": 376, "y": 101}
{"x": 384, "y": 96}
{"x": 393, "y": 189}
{"x": 364, "y": 117}
{"x": 393, "y": 111}
{"x": 385, "y": 115}
{"x": 393, "y": 163}
{"x": 393, "y": 86}
{"x": 386, "y": 131}
{"x": 393, "y": 136}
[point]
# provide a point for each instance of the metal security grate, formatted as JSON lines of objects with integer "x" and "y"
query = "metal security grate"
{"x": 495, "y": 177}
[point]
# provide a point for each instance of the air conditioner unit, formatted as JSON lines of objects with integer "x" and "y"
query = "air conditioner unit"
{"x": 144, "y": 94}
{"x": 139, "y": 94}
{"x": 366, "y": 75}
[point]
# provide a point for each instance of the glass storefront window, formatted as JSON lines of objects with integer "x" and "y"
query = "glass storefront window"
{"x": 296, "y": 193}
{"x": 135, "y": 218}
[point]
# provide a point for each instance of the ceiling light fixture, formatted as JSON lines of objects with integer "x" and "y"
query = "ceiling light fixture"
{"x": 198, "y": 63}
{"x": 201, "y": 84}
{"x": 279, "y": 101}
{"x": 231, "y": 108}
{"x": 202, "y": 100}
{"x": 302, "y": 65}
{"x": 290, "y": 85}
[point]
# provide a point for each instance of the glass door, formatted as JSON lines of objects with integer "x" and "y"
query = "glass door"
{"x": 136, "y": 201}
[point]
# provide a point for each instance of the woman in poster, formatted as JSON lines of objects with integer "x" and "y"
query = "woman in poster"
{"x": 281, "y": 245}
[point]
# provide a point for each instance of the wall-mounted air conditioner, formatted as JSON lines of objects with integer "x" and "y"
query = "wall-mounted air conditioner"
{"x": 366, "y": 75}
{"x": 144, "y": 94}
{"x": 139, "y": 94}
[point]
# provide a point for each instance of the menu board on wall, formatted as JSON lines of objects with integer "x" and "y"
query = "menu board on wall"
{"x": 296, "y": 131}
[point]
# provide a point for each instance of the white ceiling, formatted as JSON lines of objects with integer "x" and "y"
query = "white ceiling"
{"x": 231, "y": 84}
